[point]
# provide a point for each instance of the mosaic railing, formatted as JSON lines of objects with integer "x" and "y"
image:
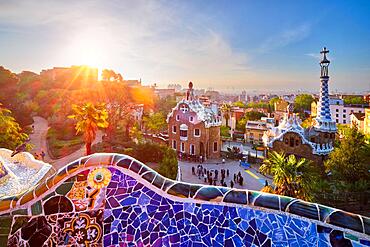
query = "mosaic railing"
{"x": 114, "y": 200}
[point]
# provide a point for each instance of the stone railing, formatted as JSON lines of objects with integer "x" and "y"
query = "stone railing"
{"x": 113, "y": 199}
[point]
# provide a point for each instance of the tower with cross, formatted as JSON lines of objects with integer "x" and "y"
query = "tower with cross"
{"x": 324, "y": 124}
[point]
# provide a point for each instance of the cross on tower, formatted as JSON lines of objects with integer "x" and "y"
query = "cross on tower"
{"x": 324, "y": 51}
{"x": 324, "y": 63}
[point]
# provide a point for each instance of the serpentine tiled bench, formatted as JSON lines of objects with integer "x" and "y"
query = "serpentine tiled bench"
{"x": 112, "y": 199}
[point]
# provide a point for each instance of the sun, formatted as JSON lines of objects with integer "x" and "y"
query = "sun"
{"x": 87, "y": 51}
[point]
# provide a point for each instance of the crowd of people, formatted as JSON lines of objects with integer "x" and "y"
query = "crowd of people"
{"x": 216, "y": 177}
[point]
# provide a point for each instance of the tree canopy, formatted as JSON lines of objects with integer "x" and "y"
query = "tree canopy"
{"x": 89, "y": 118}
{"x": 156, "y": 122}
{"x": 353, "y": 100}
{"x": 303, "y": 102}
{"x": 349, "y": 161}
{"x": 11, "y": 134}
{"x": 292, "y": 177}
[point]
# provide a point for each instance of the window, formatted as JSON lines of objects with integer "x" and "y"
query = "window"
{"x": 177, "y": 117}
{"x": 215, "y": 147}
{"x": 344, "y": 110}
{"x": 182, "y": 147}
{"x": 344, "y": 115}
{"x": 337, "y": 110}
{"x": 337, "y": 115}
{"x": 192, "y": 149}
{"x": 184, "y": 108}
{"x": 336, "y": 120}
{"x": 191, "y": 119}
{"x": 174, "y": 146}
{"x": 291, "y": 141}
{"x": 174, "y": 129}
{"x": 286, "y": 141}
{"x": 297, "y": 142}
{"x": 183, "y": 133}
{"x": 344, "y": 121}
{"x": 196, "y": 132}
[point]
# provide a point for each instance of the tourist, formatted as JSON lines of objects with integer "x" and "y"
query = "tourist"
{"x": 234, "y": 177}
{"x": 193, "y": 170}
{"x": 42, "y": 154}
{"x": 241, "y": 181}
{"x": 231, "y": 184}
{"x": 227, "y": 172}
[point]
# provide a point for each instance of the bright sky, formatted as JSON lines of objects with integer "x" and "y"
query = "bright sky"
{"x": 263, "y": 45}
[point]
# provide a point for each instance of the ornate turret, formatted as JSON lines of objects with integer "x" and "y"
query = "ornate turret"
{"x": 324, "y": 122}
{"x": 190, "y": 92}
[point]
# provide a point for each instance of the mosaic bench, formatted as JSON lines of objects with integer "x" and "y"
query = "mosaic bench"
{"x": 114, "y": 200}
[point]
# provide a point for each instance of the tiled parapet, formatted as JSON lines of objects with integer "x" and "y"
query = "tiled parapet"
{"x": 120, "y": 201}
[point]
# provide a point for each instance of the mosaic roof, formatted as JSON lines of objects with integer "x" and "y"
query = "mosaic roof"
{"x": 204, "y": 114}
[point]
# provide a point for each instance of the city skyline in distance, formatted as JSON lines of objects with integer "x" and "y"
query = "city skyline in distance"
{"x": 247, "y": 45}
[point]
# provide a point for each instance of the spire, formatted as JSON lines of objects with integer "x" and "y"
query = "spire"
{"x": 324, "y": 122}
{"x": 190, "y": 92}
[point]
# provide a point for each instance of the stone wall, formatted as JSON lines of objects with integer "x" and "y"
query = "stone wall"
{"x": 299, "y": 149}
{"x": 114, "y": 200}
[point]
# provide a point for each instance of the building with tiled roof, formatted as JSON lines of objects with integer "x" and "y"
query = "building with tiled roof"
{"x": 194, "y": 129}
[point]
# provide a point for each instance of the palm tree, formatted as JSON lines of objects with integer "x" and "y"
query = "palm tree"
{"x": 291, "y": 176}
{"x": 226, "y": 110}
{"x": 89, "y": 118}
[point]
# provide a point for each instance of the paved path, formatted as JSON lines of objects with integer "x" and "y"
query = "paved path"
{"x": 252, "y": 179}
{"x": 38, "y": 139}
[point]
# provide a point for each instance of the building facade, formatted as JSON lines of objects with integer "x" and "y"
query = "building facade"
{"x": 254, "y": 131}
{"x": 193, "y": 129}
{"x": 313, "y": 143}
{"x": 357, "y": 121}
{"x": 341, "y": 113}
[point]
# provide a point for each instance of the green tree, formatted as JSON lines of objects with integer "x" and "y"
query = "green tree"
{"x": 303, "y": 102}
{"x": 249, "y": 116}
{"x": 291, "y": 176}
{"x": 89, "y": 118}
{"x": 164, "y": 105}
{"x": 8, "y": 88}
{"x": 349, "y": 161}
{"x": 11, "y": 134}
{"x": 136, "y": 134}
{"x": 239, "y": 104}
{"x": 225, "y": 131}
{"x": 226, "y": 111}
{"x": 168, "y": 165}
{"x": 354, "y": 100}
{"x": 155, "y": 122}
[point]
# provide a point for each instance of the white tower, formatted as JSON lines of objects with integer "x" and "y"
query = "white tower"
{"x": 324, "y": 122}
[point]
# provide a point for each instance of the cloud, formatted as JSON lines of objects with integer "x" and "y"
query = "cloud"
{"x": 286, "y": 38}
{"x": 151, "y": 39}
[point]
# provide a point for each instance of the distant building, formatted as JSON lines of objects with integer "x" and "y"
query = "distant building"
{"x": 74, "y": 76}
{"x": 254, "y": 131}
{"x": 313, "y": 143}
{"x": 164, "y": 92}
{"x": 280, "y": 108}
{"x": 281, "y": 105}
{"x": 177, "y": 87}
{"x": 357, "y": 121}
{"x": 213, "y": 95}
{"x": 341, "y": 112}
{"x": 194, "y": 129}
{"x": 132, "y": 83}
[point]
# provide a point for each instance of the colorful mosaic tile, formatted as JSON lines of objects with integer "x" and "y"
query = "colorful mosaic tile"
{"x": 113, "y": 200}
